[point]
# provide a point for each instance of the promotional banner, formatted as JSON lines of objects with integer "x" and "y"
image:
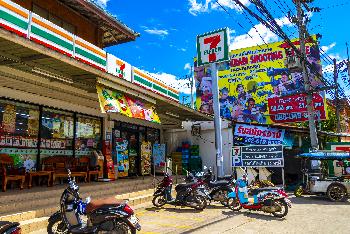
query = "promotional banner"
{"x": 257, "y": 156}
{"x": 114, "y": 102}
{"x": 256, "y": 81}
{"x": 122, "y": 157}
{"x": 257, "y": 135}
{"x": 146, "y": 152}
{"x": 159, "y": 155}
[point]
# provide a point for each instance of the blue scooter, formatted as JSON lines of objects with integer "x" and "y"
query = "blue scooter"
{"x": 268, "y": 200}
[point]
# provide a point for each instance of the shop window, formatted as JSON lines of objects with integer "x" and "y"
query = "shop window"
{"x": 19, "y": 124}
{"x": 88, "y": 136}
{"x": 153, "y": 135}
{"x": 57, "y": 130}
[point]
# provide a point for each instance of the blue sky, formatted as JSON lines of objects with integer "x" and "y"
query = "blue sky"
{"x": 168, "y": 30}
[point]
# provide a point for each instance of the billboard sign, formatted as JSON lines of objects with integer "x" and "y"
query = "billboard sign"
{"x": 212, "y": 47}
{"x": 257, "y": 135}
{"x": 258, "y": 156}
{"x": 257, "y": 87}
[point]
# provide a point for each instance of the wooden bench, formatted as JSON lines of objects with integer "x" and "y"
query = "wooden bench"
{"x": 59, "y": 165}
{"x": 9, "y": 173}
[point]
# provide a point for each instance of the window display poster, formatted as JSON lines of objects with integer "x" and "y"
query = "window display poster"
{"x": 33, "y": 122}
{"x": 146, "y": 152}
{"x": 159, "y": 155}
{"x": 9, "y": 119}
{"x": 122, "y": 157}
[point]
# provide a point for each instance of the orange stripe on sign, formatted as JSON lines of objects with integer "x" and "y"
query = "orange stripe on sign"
{"x": 160, "y": 83}
{"x": 91, "y": 48}
{"x": 143, "y": 75}
{"x": 52, "y": 29}
{"x": 173, "y": 90}
{"x": 14, "y": 9}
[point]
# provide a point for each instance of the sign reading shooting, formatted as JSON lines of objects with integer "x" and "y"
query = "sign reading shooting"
{"x": 258, "y": 156}
{"x": 212, "y": 47}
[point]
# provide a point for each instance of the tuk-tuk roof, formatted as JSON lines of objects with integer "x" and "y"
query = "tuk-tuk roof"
{"x": 326, "y": 155}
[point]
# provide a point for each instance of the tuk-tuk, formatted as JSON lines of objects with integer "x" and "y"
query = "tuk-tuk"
{"x": 336, "y": 188}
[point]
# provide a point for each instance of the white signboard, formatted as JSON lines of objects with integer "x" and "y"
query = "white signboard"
{"x": 212, "y": 47}
{"x": 118, "y": 67}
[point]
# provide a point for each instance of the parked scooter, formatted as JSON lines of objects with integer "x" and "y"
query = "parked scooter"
{"x": 187, "y": 194}
{"x": 107, "y": 215}
{"x": 219, "y": 189}
{"x": 264, "y": 199}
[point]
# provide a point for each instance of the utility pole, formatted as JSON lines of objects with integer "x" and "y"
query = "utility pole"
{"x": 191, "y": 82}
{"x": 307, "y": 85}
{"x": 337, "y": 104}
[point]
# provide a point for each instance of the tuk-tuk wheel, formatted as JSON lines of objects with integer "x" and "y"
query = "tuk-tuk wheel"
{"x": 336, "y": 192}
{"x": 298, "y": 192}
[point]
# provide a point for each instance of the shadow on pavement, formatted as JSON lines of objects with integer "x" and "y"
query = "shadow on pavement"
{"x": 177, "y": 209}
{"x": 319, "y": 200}
{"x": 253, "y": 214}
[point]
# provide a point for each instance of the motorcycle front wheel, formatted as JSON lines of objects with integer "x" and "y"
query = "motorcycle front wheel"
{"x": 201, "y": 202}
{"x": 234, "y": 204}
{"x": 159, "y": 201}
{"x": 56, "y": 226}
{"x": 284, "y": 209}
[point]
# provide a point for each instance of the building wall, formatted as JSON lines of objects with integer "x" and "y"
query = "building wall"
{"x": 174, "y": 138}
{"x": 84, "y": 28}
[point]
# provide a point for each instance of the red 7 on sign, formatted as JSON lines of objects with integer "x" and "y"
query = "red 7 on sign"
{"x": 213, "y": 41}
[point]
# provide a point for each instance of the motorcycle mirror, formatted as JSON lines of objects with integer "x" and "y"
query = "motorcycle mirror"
{"x": 88, "y": 200}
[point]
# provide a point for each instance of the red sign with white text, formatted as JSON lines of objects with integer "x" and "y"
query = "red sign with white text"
{"x": 294, "y": 108}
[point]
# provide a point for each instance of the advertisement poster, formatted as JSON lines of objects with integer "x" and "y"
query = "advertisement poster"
{"x": 9, "y": 119}
{"x": 146, "y": 152}
{"x": 257, "y": 156}
{"x": 256, "y": 82}
{"x": 257, "y": 135}
{"x": 122, "y": 157}
{"x": 114, "y": 102}
{"x": 159, "y": 155}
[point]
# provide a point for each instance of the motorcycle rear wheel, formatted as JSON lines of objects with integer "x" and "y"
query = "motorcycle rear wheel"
{"x": 159, "y": 201}
{"x": 56, "y": 226}
{"x": 233, "y": 204}
{"x": 284, "y": 209}
{"x": 122, "y": 227}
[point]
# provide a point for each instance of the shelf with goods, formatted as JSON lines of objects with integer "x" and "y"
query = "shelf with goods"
{"x": 185, "y": 157}
{"x": 177, "y": 161}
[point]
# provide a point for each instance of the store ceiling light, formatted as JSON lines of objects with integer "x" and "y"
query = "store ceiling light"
{"x": 52, "y": 75}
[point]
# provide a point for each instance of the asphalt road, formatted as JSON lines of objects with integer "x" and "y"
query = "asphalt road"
{"x": 307, "y": 215}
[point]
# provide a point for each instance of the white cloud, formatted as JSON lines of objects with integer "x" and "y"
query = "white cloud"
{"x": 159, "y": 32}
{"x": 207, "y": 6}
{"x": 170, "y": 80}
{"x": 187, "y": 66}
{"x": 182, "y": 49}
{"x": 256, "y": 35}
{"x": 326, "y": 48}
{"x": 102, "y": 3}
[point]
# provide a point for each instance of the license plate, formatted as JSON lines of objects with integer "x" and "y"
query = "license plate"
{"x": 133, "y": 220}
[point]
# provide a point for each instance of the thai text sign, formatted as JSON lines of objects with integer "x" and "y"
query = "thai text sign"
{"x": 294, "y": 108}
{"x": 212, "y": 47}
{"x": 257, "y": 135}
{"x": 258, "y": 156}
{"x": 255, "y": 82}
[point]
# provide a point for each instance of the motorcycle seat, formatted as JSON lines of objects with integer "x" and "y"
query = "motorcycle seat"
{"x": 95, "y": 204}
{"x": 225, "y": 177}
{"x": 218, "y": 183}
{"x": 180, "y": 187}
{"x": 259, "y": 190}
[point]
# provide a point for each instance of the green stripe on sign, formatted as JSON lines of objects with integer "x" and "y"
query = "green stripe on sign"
{"x": 90, "y": 56}
{"x": 174, "y": 95}
{"x": 12, "y": 19}
{"x": 143, "y": 81}
{"x": 160, "y": 89}
{"x": 51, "y": 38}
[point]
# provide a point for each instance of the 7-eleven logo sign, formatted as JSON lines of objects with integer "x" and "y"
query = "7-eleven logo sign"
{"x": 212, "y": 47}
